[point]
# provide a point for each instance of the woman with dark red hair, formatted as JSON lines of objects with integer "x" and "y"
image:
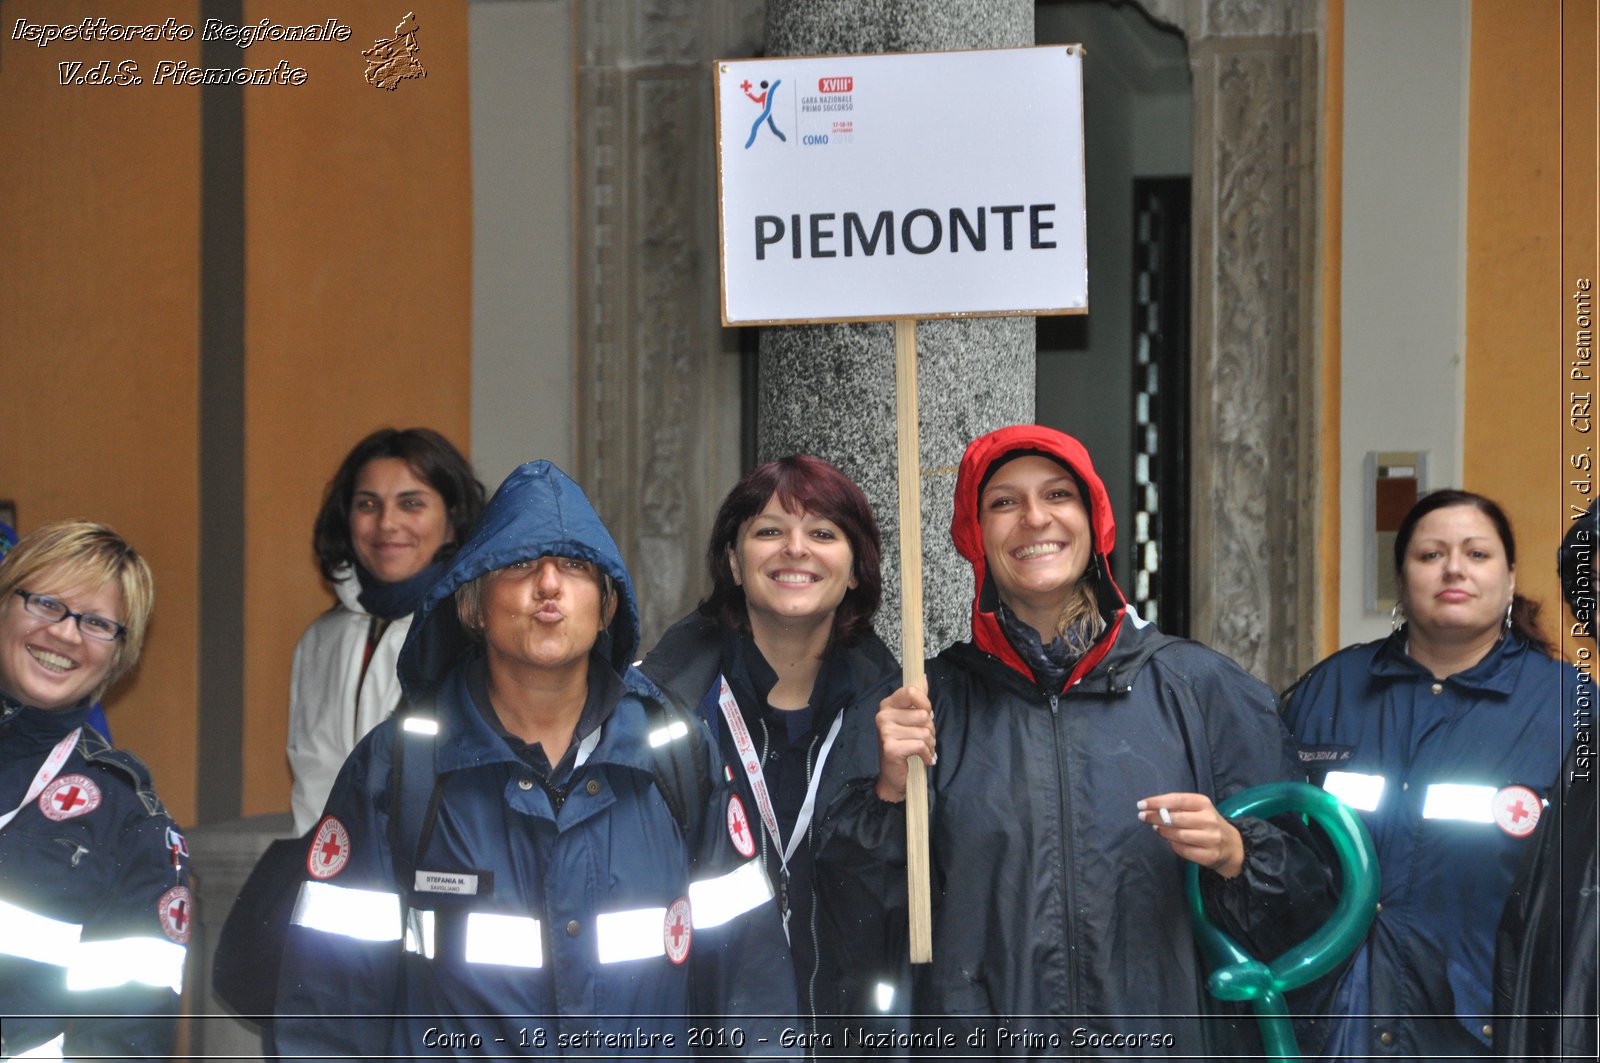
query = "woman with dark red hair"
{"x": 773, "y": 658}
{"x": 1075, "y": 757}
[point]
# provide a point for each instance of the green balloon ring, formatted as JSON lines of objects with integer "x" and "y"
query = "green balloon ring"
{"x": 1238, "y": 976}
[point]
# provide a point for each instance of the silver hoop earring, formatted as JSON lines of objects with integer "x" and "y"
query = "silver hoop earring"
{"x": 1397, "y": 617}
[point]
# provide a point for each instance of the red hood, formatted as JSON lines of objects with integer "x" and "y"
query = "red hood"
{"x": 981, "y": 454}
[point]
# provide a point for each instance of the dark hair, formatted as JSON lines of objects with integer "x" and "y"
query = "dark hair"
{"x": 1524, "y": 611}
{"x": 802, "y": 484}
{"x": 431, "y": 456}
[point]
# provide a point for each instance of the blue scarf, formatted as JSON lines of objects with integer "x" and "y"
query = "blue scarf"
{"x": 391, "y": 601}
{"x": 1051, "y": 664}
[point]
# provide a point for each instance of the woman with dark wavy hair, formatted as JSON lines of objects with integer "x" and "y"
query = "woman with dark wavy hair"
{"x": 773, "y": 658}
{"x": 393, "y": 515}
{"x": 1446, "y": 737}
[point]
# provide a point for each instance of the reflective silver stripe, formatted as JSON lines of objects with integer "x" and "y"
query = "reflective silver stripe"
{"x": 715, "y": 901}
{"x": 368, "y": 915}
{"x": 662, "y": 735}
{"x": 51, "y": 1049}
{"x": 504, "y": 940}
{"x": 1360, "y": 792}
{"x": 151, "y": 961}
{"x": 422, "y": 725}
{"x": 633, "y": 935}
{"x": 419, "y": 933}
{"x": 1459, "y": 801}
{"x": 885, "y": 996}
{"x": 36, "y": 937}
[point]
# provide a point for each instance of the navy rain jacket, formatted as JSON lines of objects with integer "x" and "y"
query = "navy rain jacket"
{"x": 1449, "y": 777}
{"x": 95, "y": 906}
{"x": 596, "y": 928}
{"x": 1060, "y": 922}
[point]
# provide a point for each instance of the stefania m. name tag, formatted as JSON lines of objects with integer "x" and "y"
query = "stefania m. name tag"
{"x": 459, "y": 883}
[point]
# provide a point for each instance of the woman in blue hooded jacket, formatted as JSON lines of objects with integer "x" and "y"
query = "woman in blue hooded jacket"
{"x": 1446, "y": 737}
{"x": 547, "y": 901}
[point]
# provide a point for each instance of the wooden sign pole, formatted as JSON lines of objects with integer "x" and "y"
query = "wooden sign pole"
{"x": 918, "y": 889}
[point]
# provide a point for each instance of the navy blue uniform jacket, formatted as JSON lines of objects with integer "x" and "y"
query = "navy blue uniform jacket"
{"x": 592, "y": 928}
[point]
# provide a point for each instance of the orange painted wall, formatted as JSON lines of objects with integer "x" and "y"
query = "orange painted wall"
{"x": 99, "y": 337}
{"x": 1580, "y": 259}
{"x": 357, "y": 308}
{"x": 358, "y": 265}
{"x": 1515, "y": 385}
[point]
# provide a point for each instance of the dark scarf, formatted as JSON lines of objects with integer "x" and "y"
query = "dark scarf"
{"x": 391, "y": 601}
{"x": 1050, "y": 664}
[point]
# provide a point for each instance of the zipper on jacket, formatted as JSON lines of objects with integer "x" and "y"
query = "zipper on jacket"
{"x": 1063, "y": 803}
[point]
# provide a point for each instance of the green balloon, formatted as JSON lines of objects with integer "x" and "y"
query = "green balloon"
{"x": 1238, "y": 976}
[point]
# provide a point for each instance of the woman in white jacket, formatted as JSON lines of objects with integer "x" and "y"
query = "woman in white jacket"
{"x": 394, "y": 513}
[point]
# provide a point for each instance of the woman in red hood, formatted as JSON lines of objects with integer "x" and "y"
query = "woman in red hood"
{"x": 1078, "y": 756}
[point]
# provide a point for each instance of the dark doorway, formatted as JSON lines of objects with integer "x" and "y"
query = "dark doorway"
{"x": 1159, "y": 539}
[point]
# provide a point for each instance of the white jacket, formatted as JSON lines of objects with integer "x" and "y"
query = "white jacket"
{"x": 328, "y": 715}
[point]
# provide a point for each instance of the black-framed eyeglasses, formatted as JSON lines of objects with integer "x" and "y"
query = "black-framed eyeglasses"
{"x": 55, "y": 610}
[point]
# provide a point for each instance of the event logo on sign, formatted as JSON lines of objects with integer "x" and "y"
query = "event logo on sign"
{"x": 764, "y": 96}
{"x": 833, "y": 104}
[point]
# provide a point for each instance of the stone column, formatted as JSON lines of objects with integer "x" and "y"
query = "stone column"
{"x": 1257, "y": 93}
{"x": 658, "y": 378}
{"x": 829, "y": 390}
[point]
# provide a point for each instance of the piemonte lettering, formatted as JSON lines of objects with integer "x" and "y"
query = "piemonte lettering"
{"x": 921, "y": 231}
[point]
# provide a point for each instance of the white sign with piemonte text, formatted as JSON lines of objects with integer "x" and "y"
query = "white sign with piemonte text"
{"x": 929, "y": 184}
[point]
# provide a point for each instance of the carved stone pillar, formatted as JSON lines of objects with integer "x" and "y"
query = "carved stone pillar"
{"x": 658, "y": 381}
{"x": 829, "y": 390}
{"x": 1257, "y": 91}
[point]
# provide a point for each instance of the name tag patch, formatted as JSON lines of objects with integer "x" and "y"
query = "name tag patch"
{"x": 1325, "y": 754}
{"x": 455, "y": 883}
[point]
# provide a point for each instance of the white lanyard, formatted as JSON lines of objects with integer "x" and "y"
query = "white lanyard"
{"x": 758, "y": 783}
{"x": 47, "y": 771}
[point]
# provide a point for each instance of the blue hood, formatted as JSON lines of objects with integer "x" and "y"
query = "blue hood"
{"x": 539, "y": 511}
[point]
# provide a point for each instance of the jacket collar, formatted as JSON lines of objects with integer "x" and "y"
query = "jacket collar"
{"x": 466, "y": 740}
{"x": 688, "y": 658}
{"x": 347, "y": 588}
{"x": 692, "y": 654}
{"x": 1495, "y": 674}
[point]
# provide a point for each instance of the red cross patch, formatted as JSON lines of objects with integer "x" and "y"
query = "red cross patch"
{"x": 1516, "y": 810}
{"x": 175, "y": 909}
{"x": 330, "y": 849}
{"x": 739, "y": 827}
{"x": 677, "y": 930}
{"x": 68, "y": 796}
